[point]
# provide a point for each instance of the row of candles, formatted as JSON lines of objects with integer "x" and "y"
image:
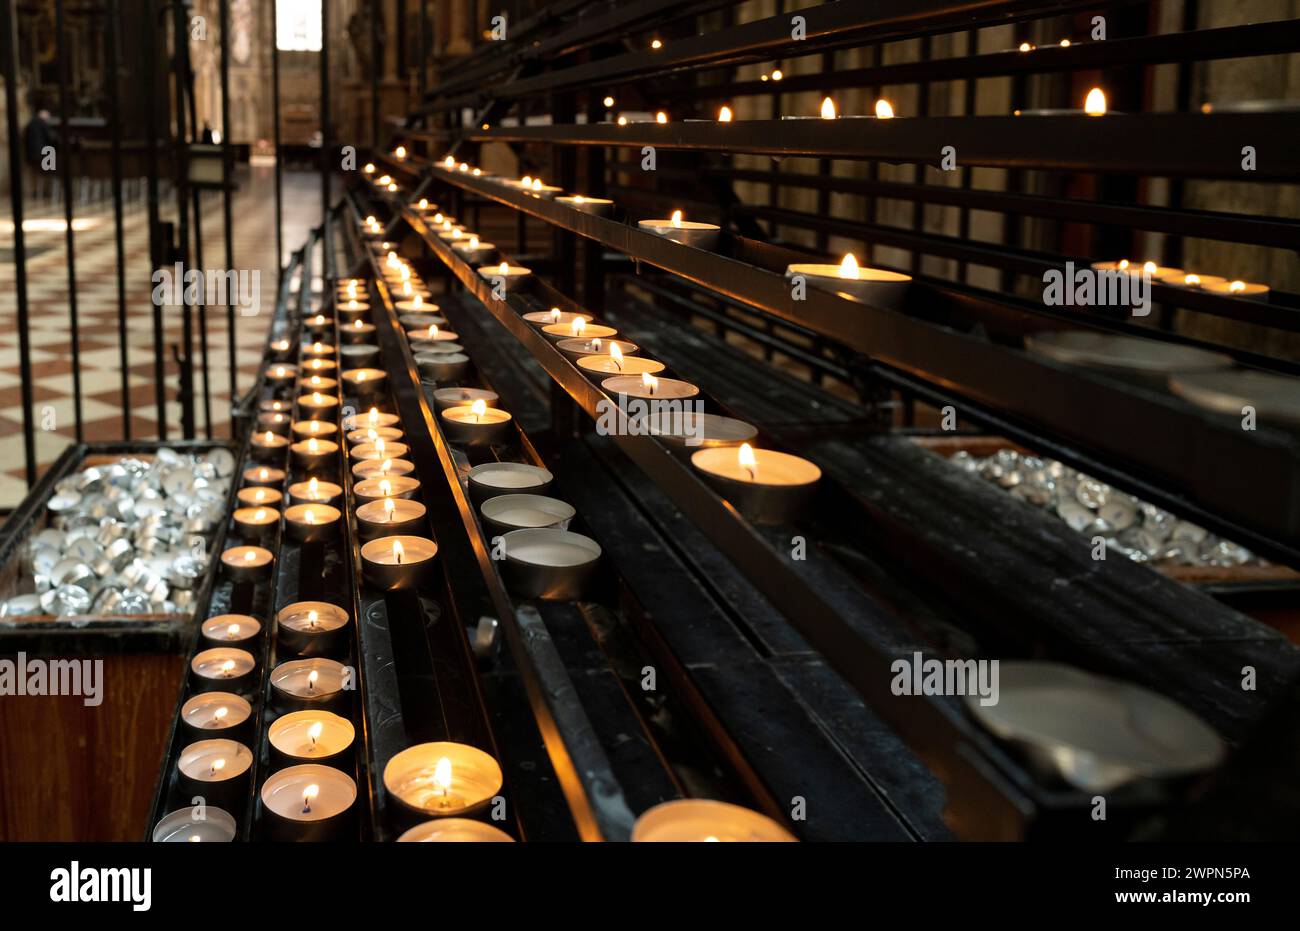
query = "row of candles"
{"x": 765, "y": 485}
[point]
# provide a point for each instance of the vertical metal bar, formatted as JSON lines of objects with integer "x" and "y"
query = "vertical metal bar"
{"x": 115, "y": 123}
{"x": 10, "y": 60}
{"x": 148, "y": 88}
{"x": 593, "y": 253}
{"x": 65, "y": 176}
{"x": 197, "y": 195}
{"x": 227, "y": 208}
{"x": 374, "y": 76}
{"x": 325, "y": 128}
{"x": 424, "y": 47}
{"x": 275, "y": 121}
{"x": 180, "y": 41}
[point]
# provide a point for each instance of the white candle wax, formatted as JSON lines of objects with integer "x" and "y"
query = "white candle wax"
{"x": 310, "y": 735}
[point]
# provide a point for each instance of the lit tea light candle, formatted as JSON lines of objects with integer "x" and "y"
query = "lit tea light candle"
{"x": 381, "y": 468}
{"x": 473, "y": 250}
{"x": 313, "y": 455}
{"x": 648, "y": 386}
{"x": 314, "y": 491}
{"x": 274, "y": 421}
{"x": 875, "y": 286}
{"x": 555, "y": 316}
{"x": 353, "y": 309}
{"x": 370, "y": 434}
{"x": 317, "y": 383}
{"x": 311, "y": 523}
{"x": 548, "y": 563}
{"x": 231, "y": 629}
{"x": 884, "y": 109}
{"x": 317, "y": 348}
{"x": 686, "y": 232}
{"x": 397, "y": 562}
{"x": 513, "y": 276}
{"x": 281, "y": 376}
{"x": 312, "y": 684}
{"x": 318, "y": 406}
{"x": 765, "y": 485}
{"x": 578, "y": 328}
{"x": 544, "y": 191}
{"x": 367, "y": 381}
{"x": 702, "y": 820}
{"x": 615, "y": 363}
{"x": 596, "y": 206}
{"x": 1095, "y": 103}
{"x": 275, "y": 404}
{"x": 828, "y": 109}
{"x": 217, "y": 770}
{"x": 268, "y": 446}
{"x": 380, "y": 449}
{"x": 257, "y": 523}
{"x": 312, "y": 628}
{"x": 575, "y": 349}
{"x": 212, "y": 714}
{"x": 431, "y": 334}
{"x": 1238, "y": 288}
{"x": 476, "y": 424}
{"x": 217, "y": 826}
{"x": 247, "y": 563}
{"x": 455, "y": 830}
{"x": 259, "y": 496}
{"x": 358, "y": 331}
{"x": 385, "y": 486}
{"x": 223, "y": 669}
{"x": 445, "y": 398}
{"x": 374, "y": 417}
{"x": 314, "y": 429}
{"x": 309, "y": 802}
{"x": 1192, "y": 280}
{"x": 311, "y": 736}
{"x": 318, "y": 366}
{"x": 319, "y": 323}
{"x": 442, "y": 778}
{"x": 490, "y": 479}
{"x": 386, "y": 517}
{"x": 280, "y": 348}
{"x": 416, "y": 304}
{"x": 263, "y": 476}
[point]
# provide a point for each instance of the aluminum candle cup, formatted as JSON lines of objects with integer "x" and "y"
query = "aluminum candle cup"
{"x": 311, "y": 737}
{"x": 558, "y": 332}
{"x": 318, "y": 325}
{"x": 317, "y": 349}
{"x": 281, "y": 375}
{"x": 548, "y": 563}
{"x": 312, "y": 628}
{"x": 513, "y": 277}
{"x": 380, "y": 449}
{"x": 359, "y": 355}
{"x": 445, "y": 348}
{"x": 247, "y": 563}
{"x": 576, "y": 349}
{"x": 447, "y": 398}
{"x": 1148, "y": 360}
{"x": 313, "y": 455}
{"x": 649, "y": 387}
{"x": 351, "y": 309}
{"x": 476, "y": 425}
{"x": 318, "y": 406}
{"x": 601, "y": 366}
{"x": 321, "y": 383}
{"x": 311, "y": 523}
{"x": 415, "y": 304}
{"x": 366, "y": 382}
{"x": 315, "y": 684}
{"x": 259, "y": 496}
{"x": 217, "y": 826}
{"x": 382, "y": 468}
{"x": 314, "y": 491}
{"x": 442, "y": 779}
{"x": 597, "y": 206}
{"x": 1274, "y": 397}
{"x": 455, "y": 830}
{"x": 216, "y": 714}
{"x": 223, "y": 669}
{"x": 236, "y": 630}
{"x": 263, "y": 476}
{"x": 386, "y": 517}
{"x": 258, "y": 524}
{"x": 358, "y": 331}
{"x": 216, "y": 770}
{"x": 397, "y": 562}
{"x": 505, "y": 513}
{"x": 385, "y": 486}
{"x": 685, "y": 432}
{"x": 431, "y": 334}
{"x": 318, "y": 367}
{"x": 541, "y": 318}
{"x": 310, "y": 803}
{"x": 420, "y": 321}
{"x": 1236, "y": 288}
{"x": 267, "y": 446}
{"x": 320, "y": 429}
{"x": 875, "y": 286}
{"x": 370, "y": 434}
{"x": 442, "y": 366}
{"x": 686, "y": 232}
{"x": 697, "y": 819}
{"x": 766, "y": 486}
{"x": 371, "y": 418}
{"x": 490, "y": 479}
{"x": 273, "y": 421}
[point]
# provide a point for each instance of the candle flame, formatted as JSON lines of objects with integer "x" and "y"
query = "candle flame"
{"x": 884, "y": 109}
{"x": 649, "y": 382}
{"x": 218, "y": 765}
{"x": 374, "y": 415}
{"x": 398, "y": 551}
{"x": 555, "y": 315}
{"x": 309, "y": 516}
{"x": 449, "y": 161}
{"x": 849, "y": 267}
{"x": 228, "y": 666}
{"x": 442, "y": 774}
{"x": 1095, "y": 105}
{"x": 504, "y": 268}
{"x": 312, "y": 485}
{"x": 424, "y": 203}
{"x": 385, "y": 487}
{"x": 617, "y": 355}
{"x": 308, "y": 794}
{"x": 661, "y": 117}
{"x": 748, "y": 461}
{"x": 370, "y": 170}
{"x": 577, "y": 326}
{"x": 1026, "y": 47}
{"x": 232, "y": 631}
{"x": 1149, "y": 268}
{"x": 526, "y": 181}
{"x": 220, "y": 713}
{"x": 270, "y": 437}
{"x": 314, "y": 732}
{"x": 677, "y": 219}
{"x": 479, "y": 408}
{"x": 390, "y": 507}
{"x": 828, "y": 109}
{"x": 263, "y": 475}
{"x": 595, "y": 344}
{"x": 317, "y": 399}
{"x": 1236, "y": 287}
{"x": 386, "y": 465}
{"x": 724, "y": 115}
{"x": 312, "y": 677}
{"x": 537, "y": 184}
{"x": 473, "y": 243}
{"x": 437, "y": 217}
{"x": 312, "y": 617}
{"x": 579, "y": 199}
{"x": 249, "y": 556}
{"x": 1191, "y": 279}
{"x": 259, "y": 514}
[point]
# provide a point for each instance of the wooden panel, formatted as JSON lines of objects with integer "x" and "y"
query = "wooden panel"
{"x": 72, "y": 772}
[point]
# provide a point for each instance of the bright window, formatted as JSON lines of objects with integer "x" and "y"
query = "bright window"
{"x": 297, "y": 25}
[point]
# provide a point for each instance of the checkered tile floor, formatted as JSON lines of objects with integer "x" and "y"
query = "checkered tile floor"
{"x": 99, "y": 363}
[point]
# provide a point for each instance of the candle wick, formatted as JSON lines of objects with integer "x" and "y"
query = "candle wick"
{"x": 752, "y": 476}
{"x": 306, "y": 807}
{"x": 399, "y": 558}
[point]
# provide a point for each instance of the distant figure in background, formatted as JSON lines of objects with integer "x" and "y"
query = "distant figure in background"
{"x": 207, "y": 138}
{"x": 37, "y": 136}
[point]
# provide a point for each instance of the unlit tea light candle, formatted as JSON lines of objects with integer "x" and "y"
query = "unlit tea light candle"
{"x": 442, "y": 778}
{"x": 490, "y": 479}
{"x": 765, "y": 485}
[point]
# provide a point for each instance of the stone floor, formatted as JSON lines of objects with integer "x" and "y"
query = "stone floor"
{"x": 97, "y": 337}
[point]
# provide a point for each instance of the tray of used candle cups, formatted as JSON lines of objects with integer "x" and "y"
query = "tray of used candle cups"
{"x": 112, "y": 536}
{"x": 441, "y": 779}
